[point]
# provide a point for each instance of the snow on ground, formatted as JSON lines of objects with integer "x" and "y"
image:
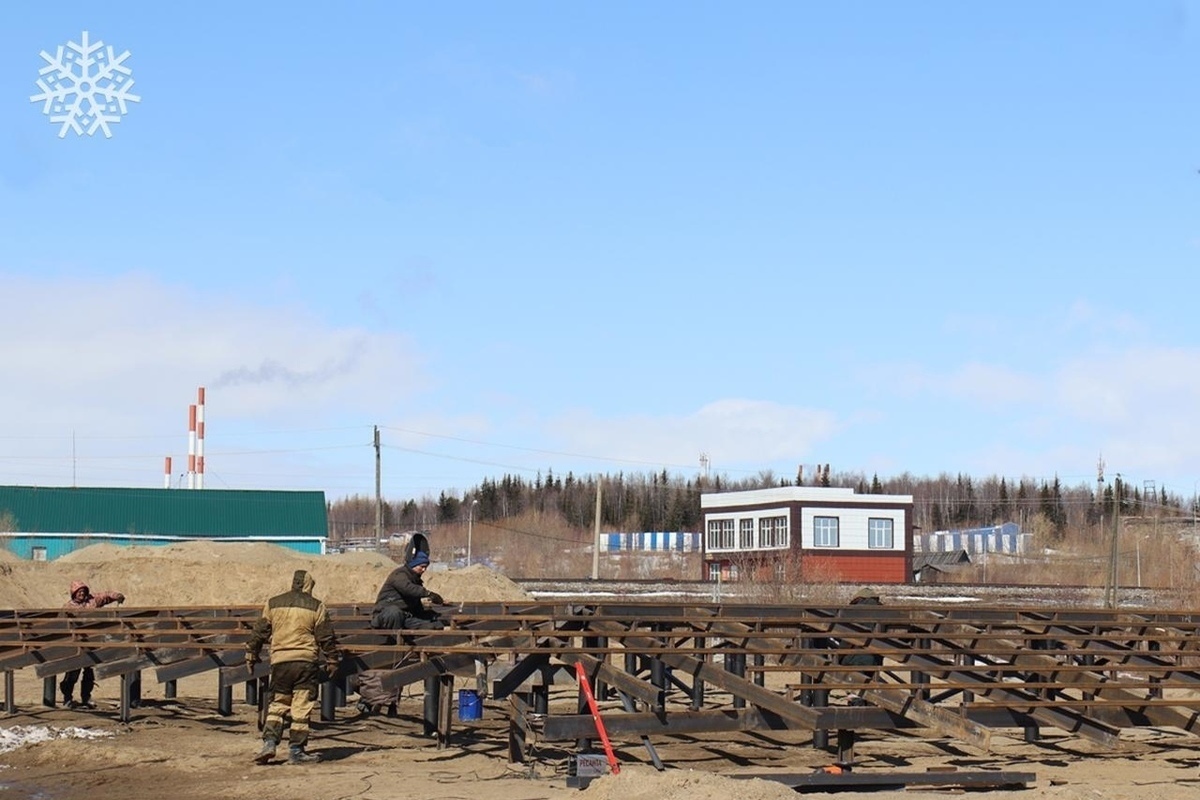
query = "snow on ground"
{"x": 21, "y": 735}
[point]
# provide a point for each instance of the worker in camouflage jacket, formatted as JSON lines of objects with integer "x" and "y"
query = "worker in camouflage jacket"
{"x": 304, "y": 650}
{"x": 82, "y": 597}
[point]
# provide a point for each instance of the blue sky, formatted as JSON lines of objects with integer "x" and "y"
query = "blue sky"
{"x": 893, "y": 237}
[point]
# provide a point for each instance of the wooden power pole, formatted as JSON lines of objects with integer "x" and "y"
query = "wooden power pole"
{"x": 378, "y": 492}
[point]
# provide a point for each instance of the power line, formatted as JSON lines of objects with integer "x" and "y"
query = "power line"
{"x": 540, "y": 451}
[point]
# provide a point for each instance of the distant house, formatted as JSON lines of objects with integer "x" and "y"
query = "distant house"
{"x": 808, "y": 532}
{"x": 1003, "y": 538}
{"x": 932, "y": 567}
{"x": 43, "y": 524}
{"x": 652, "y": 542}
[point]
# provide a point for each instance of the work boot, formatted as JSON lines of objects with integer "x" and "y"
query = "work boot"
{"x": 297, "y": 755}
{"x": 69, "y": 702}
{"x": 267, "y": 753}
{"x": 86, "y": 703}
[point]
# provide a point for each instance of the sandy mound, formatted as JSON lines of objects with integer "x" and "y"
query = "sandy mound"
{"x": 206, "y": 573}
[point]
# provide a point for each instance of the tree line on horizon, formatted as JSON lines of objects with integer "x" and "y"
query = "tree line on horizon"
{"x": 661, "y": 502}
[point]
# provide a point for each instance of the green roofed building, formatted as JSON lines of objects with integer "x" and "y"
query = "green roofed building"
{"x": 44, "y": 523}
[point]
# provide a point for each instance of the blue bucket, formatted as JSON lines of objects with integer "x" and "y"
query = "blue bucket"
{"x": 469, "y": 707}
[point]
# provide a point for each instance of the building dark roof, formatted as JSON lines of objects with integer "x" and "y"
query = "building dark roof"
{"x": 163, "y": 512}
{"x": 940, "y": 560}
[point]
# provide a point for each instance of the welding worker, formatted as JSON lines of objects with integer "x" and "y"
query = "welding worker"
{"x": 304, "y": 650}
{"x": 398, "y": 604}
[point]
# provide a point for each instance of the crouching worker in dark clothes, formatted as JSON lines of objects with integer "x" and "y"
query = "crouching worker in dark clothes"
{"x": 303, "y": 652}
{"x": 398, "y": 605}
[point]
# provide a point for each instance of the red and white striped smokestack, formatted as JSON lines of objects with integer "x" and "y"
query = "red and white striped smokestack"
{"x": 200, "y": 439}
{"x": 167, "y": 473}
{"x": 191, "y": 447}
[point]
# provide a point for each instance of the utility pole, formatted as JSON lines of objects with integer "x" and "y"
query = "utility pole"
{"x": 1100, "y": 501}
{"x": 470, "y": 527}
{"x": 378, "y": 492}
{"x": 1110, "y": 594}
{"x": 596, "y": 544}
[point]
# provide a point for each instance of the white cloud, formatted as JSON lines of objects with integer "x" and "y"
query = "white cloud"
{"x": 989, "y": 385}
{"x": 731, "y": 431}
{"x": 134, "y": 343}
{"x": 110, "y": 365}
{"x": 1137, "y": 385}
{"x": 1082, "y": 315}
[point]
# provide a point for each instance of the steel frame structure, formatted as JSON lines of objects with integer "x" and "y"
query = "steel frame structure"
{"x": 665, "y": 669}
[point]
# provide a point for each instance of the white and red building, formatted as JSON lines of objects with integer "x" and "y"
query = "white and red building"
{"x": 799, "y": 533}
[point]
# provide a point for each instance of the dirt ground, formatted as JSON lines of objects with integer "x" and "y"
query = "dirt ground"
{"x": 182, "y": 749}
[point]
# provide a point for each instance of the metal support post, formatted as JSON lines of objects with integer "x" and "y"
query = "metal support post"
{"x": 697, "y": 681}
{"x": 736, "y": 663}
{"x": 1033, "y": 733}
{"x": 445, "y": 709}
{"x": 602, "y": 690}
{"x": 581, "y": 707}
{"x": 658, "y": 679}
{"x": 541, "y": 698}
{"x": 845, "y": 747}
{"x": 225, "y": 700}
{"x": 328, "y": 707}
{"x": 821, "y": 737}
{"x": 433, "y": 691}
{"x": 1155, "y": 692}
{"x": 126, "y": 696}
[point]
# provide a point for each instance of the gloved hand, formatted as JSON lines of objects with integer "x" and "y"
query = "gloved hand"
{"x": 331, "y": 668}
{"x": 436, "y": 599}
{"x": 252, "y": 660}
{"x": 120, "y": 598}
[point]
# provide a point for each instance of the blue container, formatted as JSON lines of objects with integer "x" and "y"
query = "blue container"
{"x": 469, "y": 707}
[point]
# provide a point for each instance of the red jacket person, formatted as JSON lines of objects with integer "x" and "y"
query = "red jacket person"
{"x": 82, "y": 597}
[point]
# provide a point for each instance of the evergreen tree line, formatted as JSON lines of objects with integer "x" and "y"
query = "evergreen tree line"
{"x": 661, "y": 502}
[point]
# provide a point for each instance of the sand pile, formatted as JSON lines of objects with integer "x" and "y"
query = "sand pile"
{"x": 206, "y": 573}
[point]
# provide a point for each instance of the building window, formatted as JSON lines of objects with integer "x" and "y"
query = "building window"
{"x": 720, "y": 534}
{"x": 714, "y": 570}
{"x": 39, "y": 553}
{"x": 773, "y": 532}
{"x": 879, "y": 533}
{"x": 746, "y": 534}
{"x": 825, "y": 531}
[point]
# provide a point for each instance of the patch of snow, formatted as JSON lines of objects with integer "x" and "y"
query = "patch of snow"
{"x": 21, "y": 735}
{"x": 944, "y": 599}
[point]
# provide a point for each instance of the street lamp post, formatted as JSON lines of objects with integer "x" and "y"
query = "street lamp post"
{"x": 470, "y": 528}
